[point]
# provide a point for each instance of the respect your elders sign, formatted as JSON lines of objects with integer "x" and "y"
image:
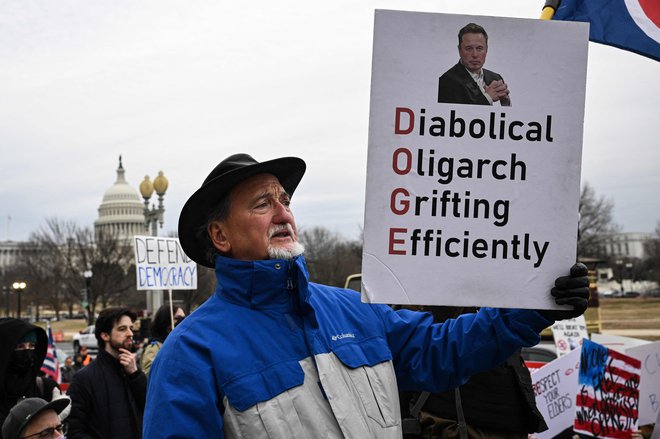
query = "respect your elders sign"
{"x": 472, "y": 204}
{"x": 162, "y": 264}
{"x": 555, "y": 387}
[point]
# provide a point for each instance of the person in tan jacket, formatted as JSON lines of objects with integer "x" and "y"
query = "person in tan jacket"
{"x": 161, "y": 326}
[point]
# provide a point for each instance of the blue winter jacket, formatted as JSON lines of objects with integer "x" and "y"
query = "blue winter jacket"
{"x": 273, "y": 355}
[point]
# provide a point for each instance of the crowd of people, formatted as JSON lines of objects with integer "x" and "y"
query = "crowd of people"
{"x": 271, "y": 353}
{"x": 105, "y": 395}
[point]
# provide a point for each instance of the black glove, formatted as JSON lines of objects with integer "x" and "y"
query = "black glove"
{"x": 570, "y": 290}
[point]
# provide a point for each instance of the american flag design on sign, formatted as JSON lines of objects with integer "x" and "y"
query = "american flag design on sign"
{"x": 51, "y": 366}
{"x": 608, "y": 393}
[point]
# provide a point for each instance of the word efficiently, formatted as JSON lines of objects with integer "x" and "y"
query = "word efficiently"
{"x": 405, "y": 242}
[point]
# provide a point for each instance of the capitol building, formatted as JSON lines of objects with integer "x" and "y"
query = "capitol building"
{"x": 121, "y": 213}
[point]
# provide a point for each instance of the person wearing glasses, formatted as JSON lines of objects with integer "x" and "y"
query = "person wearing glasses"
{"x": 36, "y": 419}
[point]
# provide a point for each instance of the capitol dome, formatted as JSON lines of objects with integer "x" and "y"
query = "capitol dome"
{"x": 121, "y": 212}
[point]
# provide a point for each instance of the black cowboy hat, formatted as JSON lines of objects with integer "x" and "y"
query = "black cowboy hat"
{"x": 231, "y": 171}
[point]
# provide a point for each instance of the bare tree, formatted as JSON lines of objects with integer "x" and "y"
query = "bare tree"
{"x": 205, "y": 288}
{"x": 330, "y": 257}
{"x": 596, "y": 223}
{"x": 46, "y": 278}
{"x": 61, "y": 251}
{"x": 110, "y": 259}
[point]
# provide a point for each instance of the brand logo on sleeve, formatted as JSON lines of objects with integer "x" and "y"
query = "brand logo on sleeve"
{"x": 342, "y": 336}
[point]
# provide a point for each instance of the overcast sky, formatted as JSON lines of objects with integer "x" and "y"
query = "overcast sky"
{"x": 178, "y": 86}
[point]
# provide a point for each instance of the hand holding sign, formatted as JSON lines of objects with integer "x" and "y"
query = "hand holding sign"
{"x": 570, "y": 290}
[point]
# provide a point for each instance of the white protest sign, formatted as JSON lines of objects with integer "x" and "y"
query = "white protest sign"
{"x": 656, "y": 431}
{"x": 555, "y": 387}
{"x": 162, "y": 264}
{"x": 618, "y": 343}
{"x": 472, "y": 204}
{"x": 568, "y": 334}
{"x": 649, "y": 382}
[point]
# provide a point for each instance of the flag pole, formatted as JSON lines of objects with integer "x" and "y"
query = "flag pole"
{"x": 549, "y": 9}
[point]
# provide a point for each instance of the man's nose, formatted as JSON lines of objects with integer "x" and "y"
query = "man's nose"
{"x": 282, "y": 213}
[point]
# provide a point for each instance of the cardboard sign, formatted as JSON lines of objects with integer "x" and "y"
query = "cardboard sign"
{"x": 162, "y": 264}
{"x": 649, "y": 384}
{"x": 555, "y": 386}
{"x": 472, "y": 205}
{"x": 568, "y": 334}
{"x": 608, "y": 395}
{"x": 618, "y": 343}
{"x": 656, "y": 431}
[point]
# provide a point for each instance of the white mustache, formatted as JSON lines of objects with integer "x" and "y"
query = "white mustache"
{"x": 281, "y": 227}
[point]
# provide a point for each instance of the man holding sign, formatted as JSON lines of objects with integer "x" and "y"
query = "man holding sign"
{"x": 273, "y": 354}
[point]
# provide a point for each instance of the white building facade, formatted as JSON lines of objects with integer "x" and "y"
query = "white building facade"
{"x": 121, "y": 213}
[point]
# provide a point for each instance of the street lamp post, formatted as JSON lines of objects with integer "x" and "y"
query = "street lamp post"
{"x": 153, "y": 217}
{"x": 5, "y": 292}
{"x": 87, "y": 274}
{"x": 629, "y": 267}
{"x": 19, "y": 287}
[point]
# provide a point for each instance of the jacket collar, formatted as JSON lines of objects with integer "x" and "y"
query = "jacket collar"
{"x": 264, "y": 284}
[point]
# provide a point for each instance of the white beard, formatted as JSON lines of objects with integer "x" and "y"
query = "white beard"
{"x": 288, "y": 252}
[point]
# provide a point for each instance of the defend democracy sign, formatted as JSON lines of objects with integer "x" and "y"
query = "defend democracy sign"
{"x": 162, "y": 264}
{"x": 472, "y": 204}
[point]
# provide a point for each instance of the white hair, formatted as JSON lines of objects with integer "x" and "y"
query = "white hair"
{"x": 288, "y": 252}
{"x": 296, "y": 249}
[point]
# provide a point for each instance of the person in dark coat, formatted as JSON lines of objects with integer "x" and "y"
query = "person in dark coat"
{"x": 78, "y": 362}
{"x": 496, "y": 404}
{"x": 108, "y": 396}
{"x": 22, "y": 351}
{"x": 468, "y": 82}
{"x": 67, "y": 370}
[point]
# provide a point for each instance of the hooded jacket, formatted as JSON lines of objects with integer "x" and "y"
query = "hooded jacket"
{"x": 14, "y": 387}
{"x": 271, "y": 355}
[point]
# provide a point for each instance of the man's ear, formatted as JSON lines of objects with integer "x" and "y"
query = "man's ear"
{"x": 218, "y": 237}
{"x": 105, "y": 336}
